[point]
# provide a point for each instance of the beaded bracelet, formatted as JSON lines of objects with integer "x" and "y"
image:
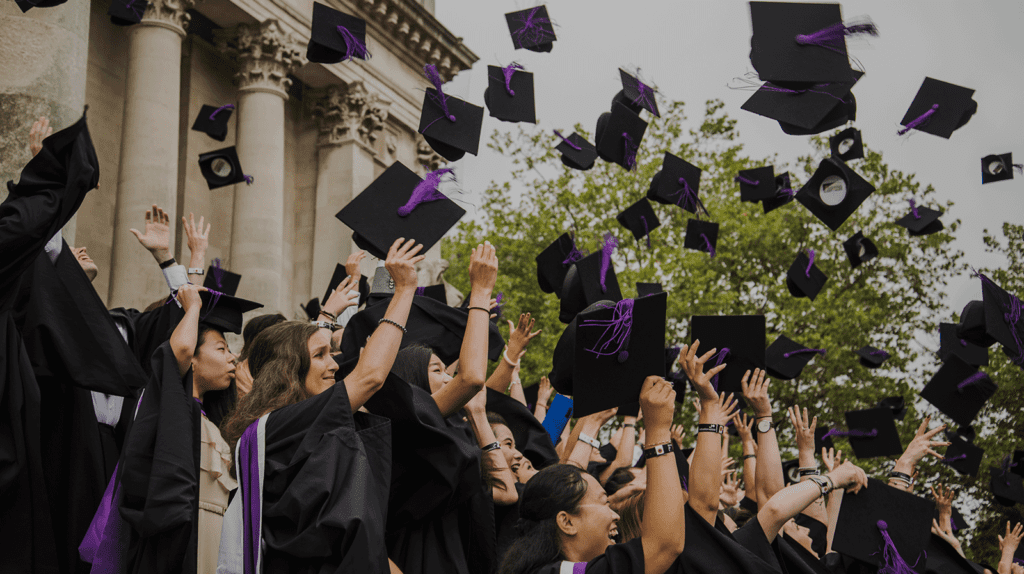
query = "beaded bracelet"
{"x": 390, "y": 322}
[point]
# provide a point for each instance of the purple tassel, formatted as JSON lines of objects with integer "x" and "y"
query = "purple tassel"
{"x": 913, "y": 209}
{"x": 688, "y": 196}
{"x": 963, "y": 342}
{"x": 214, "y": 298}
{"x": 131, "y": 6}
{"x": 785, "y": 192}
{"x": 810, "y": 255}
{"x": 218, "y": 273}
{"x": 508, "y": 71}
{"x": 707, "y": 244}
{"x": 834, "y": 37}
{"x": 919, "y": 120}
{"x": 574, "y": 254}
{"x": 532, "y": 31}
{"x": 892, "y": 562}
{"x": 248, "y": 179}
{"x": 631, "y": 149}
{"x": 954, "y": 458}
{"x": 971, "y": 380}
{"x": 610, "y": 243}
{"x": 421, "y": 291}
{"x": 685, "y": 486}
{"x": 1013, "y": 320}
{"x": 850, "y": 433}
{"x": 567, "y": 142}
{"x": 426, "y": 191}
{"x": 441, "y": 99}
{"x": 881, "y": 353}
{"x": 782, "y": 90}
{"x": 616, "y": 332}
{"x": 1005, "y": 466}
{"x": 719, "y": 359}
{"x": 952, "y": 523}
{"x": 498, "y": 304}
{"x": 353, "y": 47}
{"x": 647, "y": 232}
{"x": 791, "y": 353}
{"x": 645, "y": 98}
{"x": 216, "y": 111}
{"x": 741, "y": 179}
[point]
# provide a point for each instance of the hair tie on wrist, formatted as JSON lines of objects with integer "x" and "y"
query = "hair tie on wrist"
{"x": 507, "y": 360}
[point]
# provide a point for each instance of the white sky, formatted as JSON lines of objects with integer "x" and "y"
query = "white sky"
{"x": 692, "y": 48}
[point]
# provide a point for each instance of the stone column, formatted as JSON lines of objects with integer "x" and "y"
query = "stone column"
{"x": 148, "y": 173}
{"x": 266, "y": 54}
{"x": 351, "y": 120}
{"x": 44, "y": 55}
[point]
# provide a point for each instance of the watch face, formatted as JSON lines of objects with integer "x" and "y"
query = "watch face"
{"x": 764, "y": 426}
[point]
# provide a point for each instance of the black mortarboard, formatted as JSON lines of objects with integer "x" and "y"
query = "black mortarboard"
{"x": 921, "y": 220}
{"x": 896, "y": 404}
{"x": 959, "y": 390}
{"x": 786, "y": 358}
{"x": 618, "y": 136}
{"x": 220, "y": 279}
{"x": 783, "y": 47}
{"x": 511, "y": 100}
{"x": 27, "y": 5}
{"x": 967, "y": 431}
{"x": 972, "y": 325}
{"x": 847, "y": 145}
{"x": 939, "y": 108}
{"x": 450, "y": 138}
{"x": 640, "y": 219}
{"x": 950, "y": 343}
{"x": 1004, "y": 319}
{"x": 311, "y": 308}
{"x": 805, "y": 109}
{"x": 804, "y": 279}
{"x": 531, "y": 29}
{"x": 874, "y": 433}
{"x": 783, "y": 193}
{"x": 756, "y": 184}
{"x": 945, "y": 559}
{"x": 636, "y": 95}
{"x": 531, "y": 393}
{"x": 646, "y": 289}
{"x": 871, "y": 357}
{"x": 221, "y": 168}
{"x": 127, "y": 12}
{"x": 335, "y": 36}
{"x": 339, "y": 275}
{"x": 958, "y": 520}
{"x": 742, "y": 335}
{"x": 822, "y": 441}
{"x": 583, "y": 288}
{"x": 224, "y": 312}
{"x": 435, "y": 292}
{"x": 845, "y": 111}
{"x": 213, "y": 121}
{"x": 962, "y": 456}
{"x": 906, "y": 518}
{"x": 702, "y": 236}
{"x": 834, "y": 192}
{"x": 577, "y": 152}
{"x": 552, "y": 266}
{"x": 616, "y": 348}
{"x": 791, "y": 471}
{"x": 1018, "y": 460}
{"x": 374, "y": 214}
{"x": 557, "y": 417}
{"x": 1007, "y": 487}
{"x": 997, "y": 168}
{"x": 571, "y": 300}
{"x": 859, "y": 249}
{"x": 564, "y": 355}
{"x": 669, "y": 186}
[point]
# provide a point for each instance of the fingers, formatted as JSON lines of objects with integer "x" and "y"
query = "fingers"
{"x": 924, "y": 425}
{"x": 934, "y": 431}
{"x": 716, "y": 370}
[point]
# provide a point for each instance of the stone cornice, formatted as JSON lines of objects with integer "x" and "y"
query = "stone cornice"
{"x": 266, "y": 54}
{"x": 171, "y": 14}
{"x": 350, "y": 113}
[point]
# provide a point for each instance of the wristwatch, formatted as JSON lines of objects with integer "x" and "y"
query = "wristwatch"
{"x": 196, "y": 271}
{"x": 325, "y": 325}
{"x": 765, "y": 425}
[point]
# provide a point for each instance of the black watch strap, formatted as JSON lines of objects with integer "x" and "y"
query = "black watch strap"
{"x": 659, "y": 450}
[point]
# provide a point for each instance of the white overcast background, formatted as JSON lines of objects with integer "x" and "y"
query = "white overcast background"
{"x": 692, "y": 49}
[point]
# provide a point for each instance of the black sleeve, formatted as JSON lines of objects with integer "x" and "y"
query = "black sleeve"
{"x": 818, "y": 533}
{"x": 626, "y": 558}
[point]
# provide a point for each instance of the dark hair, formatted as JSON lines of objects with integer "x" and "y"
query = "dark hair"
{"x": 557, "y": 488}
{"x": 216, "y": 404}
{"x": 279, "y": 362}
{"x": 631, "y": 513}
{"x": 743, "y": 515}
{"x": 619, "y": 478}
{"x": 494, "y": 418}
{"x": 254, "y": 327}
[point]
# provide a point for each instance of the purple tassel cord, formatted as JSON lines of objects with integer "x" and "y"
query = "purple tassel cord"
{"x": 834, "y": 37}
{"x": 954, "y": 458}
{"x": 879, "y": 353}
{"x": 567, "y": 142}
{"x": 248, "y": 179}
{"x": 131, "y": 6}
{"x": 782, "y": 90}
{"x": 952, "y": 523}
{"x": 719, "y": 359}
{"x": 574, "y": 254}
{"x": 971, "y": 380}
{"x": 892, "y": 562}
{"x": 913, "y": 209}
{"x": 707, "y": 244}
{"x": 1005, "y": 466}
{"x": 810, "y": 263}
{"x": 631, "y": 149}
{"x": 791, "y": 353}
{"x": 426, "y": 191}
{"x": 610, "y": 243}
{"x": 785, "y": 192}
{"x": 499, "y": 303}
{"x": 441, "y": 99}
{"x": 645, "y": 98}
{"x": 850, "y": 433}
{"x": 218, "y": 110}
{"x": 919, "y": 120}
{"x": 353, "y": 47}
{"x": 616, "y": 332}
{"x": 532, "y": 30}
{"x": 647, "y": 231}
{"x": 688, "y": 197}
{"x": 1012, "y": 316}
{"x": 741, "y": 179}
{"x": 421, "y": 291}
{"x": 507, "y": 71}
{"x": 218, "y": 273}
{"x": 963, "y": 342}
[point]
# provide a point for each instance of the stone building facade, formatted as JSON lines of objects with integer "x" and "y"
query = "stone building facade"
{"x": 312, "y": 135}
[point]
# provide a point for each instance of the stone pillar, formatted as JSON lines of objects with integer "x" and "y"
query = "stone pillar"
{"x": 266, "y": 54}
{"x": 351, "y": 120}
{"x": 44, "y": 55}
{"x": 148, "y": 173}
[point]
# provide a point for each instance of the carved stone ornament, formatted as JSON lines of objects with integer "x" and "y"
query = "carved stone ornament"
{"x": 427, "y": 157}
{"x": 169, "y": 12}
{"x": 266, "y": 54}
{"x": 351, "y": 113}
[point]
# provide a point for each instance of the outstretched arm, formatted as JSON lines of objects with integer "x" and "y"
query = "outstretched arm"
{"x": 663, "y": 529}
{"x": 921, "y": 445}
{"x": 804, "y": 427}
{"x": 186, "y": 334}
{"x": 198, "y": 241}
{"x": 624, "y": 450}
{"x": 504, "y": 490}
{"x": 519, "y": 337}
{"x": 577, "y": 452}
{"x": 791, "y": 500}
{"x": 769, "y": 464}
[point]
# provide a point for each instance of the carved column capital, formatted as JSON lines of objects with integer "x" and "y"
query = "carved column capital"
{"x": 171, "y": 14}
{"x": 266, "y": 54}
{"x": 429, "y": 159}
{"x": 351, "y": 112}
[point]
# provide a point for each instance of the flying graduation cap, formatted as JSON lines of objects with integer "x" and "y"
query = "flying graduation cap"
{"x": 859, "y": 249}
{"x": 921, "y": 220}
{"x": 897, "y": 404}
{"x": 998, "y": 168}
{"x": 939, "y": 108}
{"x": 959, "y": 390}
{"x": 1004, "y": 319}
{"x": 834, "y": 192}
{"x": 450, "y": 126}
{"x": 1007, "y": 487}
{"x": 677, "y": 183}
{"x": 962, "y": 455}
{"x": 872, "y": 433}
{"x": 636, "y": 95}
{"x": 950, "y": 344}
{"x": 786, "y": 359}
{"x": 640, "y": 219}
{"x": 739, "y": 340}
{"x": 589, "y": 280}
{"x": 27, "y": 5}
{"x": 531, "y": 29}
{"x": 577, "y": 152}
{"x": 884, "y": 526}
{"x": 756, "y": 184}
{"x": 335, "y": 36}
{"x": 847, "y": 145}
{"x": 871, "y": 357}
{"x": 214, "y": 121}
{"x": 783, "y": 193}
{"x": 805, "y": 109}
{"x": 702, "y": 236}
{"x": 971, "y": 327}
{"x": 618, "y": 136}
{"x": 509, "y": 94}
{"x": 222, "y": 167}
{"x": 553, "y": 263}
{"x": 804, "y": 278}
{"x": 127, "y": 12}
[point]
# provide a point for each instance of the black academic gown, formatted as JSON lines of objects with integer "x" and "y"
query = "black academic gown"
{"x": 712, "y": 550}
{"x": 626, "y": 558}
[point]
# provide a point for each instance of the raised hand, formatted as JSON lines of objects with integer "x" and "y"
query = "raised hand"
{"x": 188, "y": 296}
{"x": 694, "y": 369}
{"x": 40, "y": 130}
{"x": 157, "y": 237}
{"x": 677, "y": 435}
{"x": 345, "y": 295}
{"x": 946, "y": 535}
{"x": 658, "y": 403}
{"x": 520, "y": 336}
{"x": 756, "y": 393}
{"x": 744, "y": 426}
{"x": 401, "y": 263}
{"x": 1008, "y": 544}
{"x": 198, "y": 236}
{"x": 944, "y": 499}
{"x": 352, "y": 264}
{"x": 831, "y": 457}
{"x": 545, "y": 391}
{"x": 849, "y": 477}
{"x": 483, "y": 269}
{"x": 921, "y": 445}
{"x": 731, "y": 494}
{"x": 719, "y": 410}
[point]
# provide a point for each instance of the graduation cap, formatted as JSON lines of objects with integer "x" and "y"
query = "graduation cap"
{"x": 563, "y": 357}
{"x": 636, "y": 95}
{"x": 647, "y": 289}
{"x": 531, "y": 29}
{"x": 845, "y": 111}
{"x": 212, "y": 121}
{"x": 335, "y": 36}
{"x": 957, "y": 520}
{"x": 950, "y": 343}
{"x": 962, "y": 456}
{"x": 804, "y": 279}
{"x": 509, "y": 94}
{"x": 945, "y": 559}
{"x": 871, "y": 357}
{"x": 756, "y": 184}
{"x": 872, "y": 433}
{"x": 998, "y": 167}
{"x": 939, "y": 108}
{"x": 531, "y": 393}
{"x": 677, "y": 183}
{"x": 311, "y": 308}
{"x": 224, "y": 312}
{"x": 971, "y": 327}
{"x": 27, "y": 5}
{"x": 577, "y": 152}
{"x": 896, "y": 404}
{"x": 616, "y": 348}
{"x": 435, "y": 292}
{"x": 859, "y": 249}
{"x": 702, "y": 236}
{"x": 1007, "y": 487}
{"x": 921, "y": 220}
{"x": 740, "y": 343}
{"x": 783, "y": 193}
{"x": 400, "y": 204}
{"x": 557, "y": 417}
{"x": 834, "y": 192}
{"x": 959, "y": 390}
{"x": 588, "y": 281}
{"x": 128, "y": 12}
{"x": 449, "y": 125}
{"x": 805, "y": 109}
{"x": 847, "y": 145}
{"x": 791, "y": 471}
{"x": 821, "y": 440}
{"x": 1004, "y": 319}
{"x": 618, "y": 136}
{"x": 786, "y": 358}
{"x": 794, "y": 42}
{"x": 640, "y": 219}
{"x": 881, "y": 523}
{"x": 221, "y": 168}
{"x": 222, "y": 280}
{"x": 553, "y": 263}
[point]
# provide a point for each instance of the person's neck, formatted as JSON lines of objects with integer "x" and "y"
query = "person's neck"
{"x": 197, "y": 393}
